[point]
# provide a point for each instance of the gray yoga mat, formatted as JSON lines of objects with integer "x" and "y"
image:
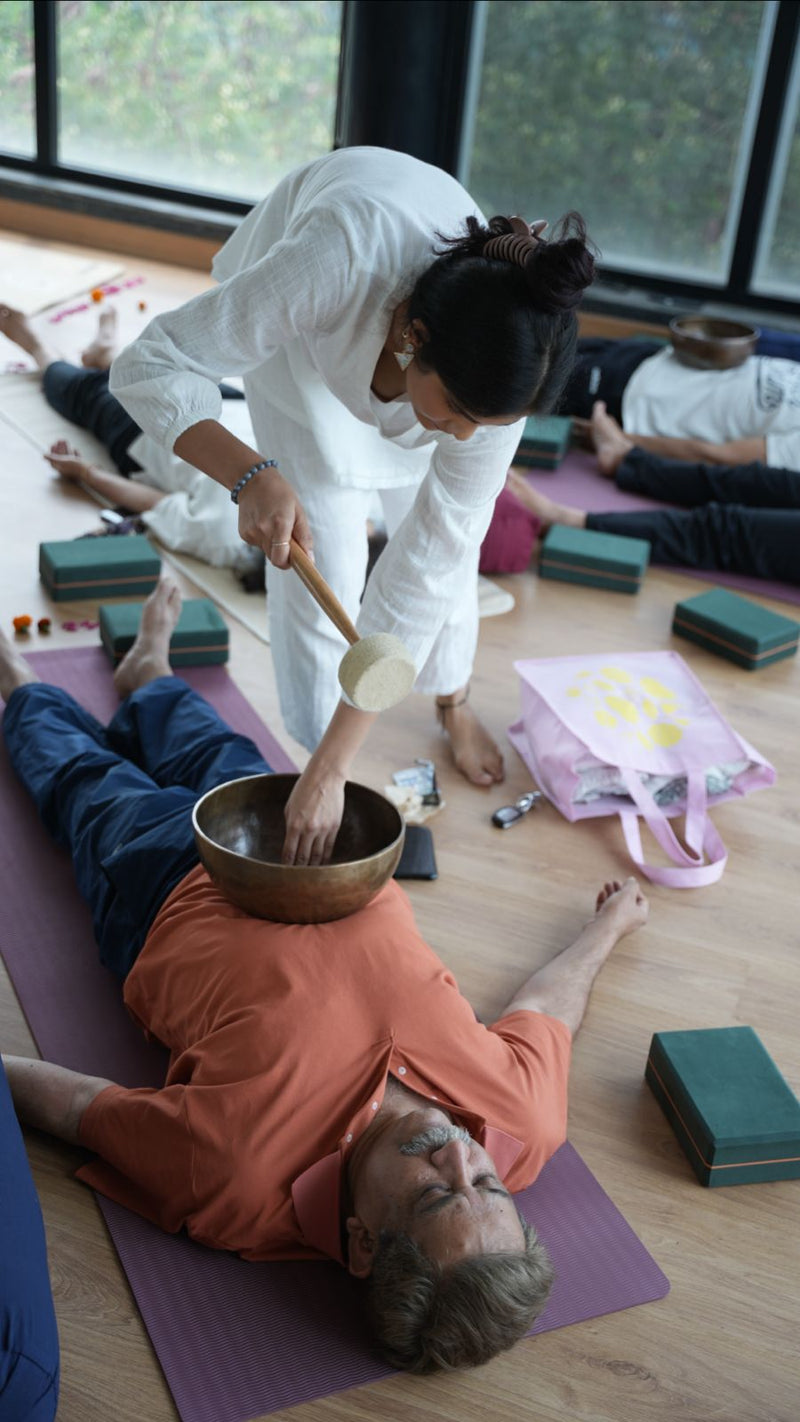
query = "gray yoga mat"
{"x": 236, "y": 1340}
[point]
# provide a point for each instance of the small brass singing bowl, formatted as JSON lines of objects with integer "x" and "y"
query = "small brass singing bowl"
{"x": 239, "y": 832}
{"x": 712, "y": 342}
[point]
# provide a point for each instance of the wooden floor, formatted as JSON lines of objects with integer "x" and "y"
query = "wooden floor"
{"x": 724, "y": 1344}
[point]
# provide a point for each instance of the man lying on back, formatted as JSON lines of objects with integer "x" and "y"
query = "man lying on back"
{"x": 330, "y": 1092}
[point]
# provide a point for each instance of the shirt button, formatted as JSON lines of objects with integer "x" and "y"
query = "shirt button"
{"x": 401, "y": 1071}
{"x": 374, "y": 1105}
{"x": 349, "y": 1136}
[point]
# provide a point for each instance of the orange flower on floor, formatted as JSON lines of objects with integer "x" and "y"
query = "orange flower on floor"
{"x": 23, "y": 623}
{"x": 97, "y": 294}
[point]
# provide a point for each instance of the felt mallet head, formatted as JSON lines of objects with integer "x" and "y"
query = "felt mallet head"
{"x": 377, "y": 672}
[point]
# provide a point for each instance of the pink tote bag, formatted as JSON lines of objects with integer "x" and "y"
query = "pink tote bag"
{"x": 635, "y": 734}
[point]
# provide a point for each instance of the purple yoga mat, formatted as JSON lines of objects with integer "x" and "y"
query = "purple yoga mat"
{"x": 577, "y": 482}
{"x": 235, "y": 1339}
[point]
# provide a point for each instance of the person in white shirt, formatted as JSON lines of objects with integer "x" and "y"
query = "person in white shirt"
{"x": 187, "y": 512}
{"x": 389, "y": 340}
{"x": 750, "y": 413}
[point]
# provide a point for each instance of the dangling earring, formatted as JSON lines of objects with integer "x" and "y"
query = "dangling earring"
{"x": 406, "y": 355}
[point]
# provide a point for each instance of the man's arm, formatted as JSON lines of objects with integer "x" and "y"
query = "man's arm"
{"x": 50, "y": 1097}
{"x": 700, "y": 451}
{"x": 562, "y": 987}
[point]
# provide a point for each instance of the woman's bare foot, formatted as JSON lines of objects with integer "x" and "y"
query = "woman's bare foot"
{"x": 148, "y": 658}
{"x": 17, "y": 328}
{"x": 475, "y": 753}
{"x": 14, "y": 670}
{"x": 100, "y": 353}
{"x": 610, "y": 441}
{"x": 544, "y": 508}
{"x": 623, "y": 906}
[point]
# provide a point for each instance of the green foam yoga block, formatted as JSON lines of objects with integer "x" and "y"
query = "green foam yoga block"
{"x": 594, "y": 559}
{"x": 545, "y": 441}
{"x": 736, "y": 628}
{"x": 734, "y": 1114}
{"x": 99, "y": 567}
{"x": 200, "y": 637}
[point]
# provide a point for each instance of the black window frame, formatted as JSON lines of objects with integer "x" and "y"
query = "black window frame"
{"x": 404, "y": 79}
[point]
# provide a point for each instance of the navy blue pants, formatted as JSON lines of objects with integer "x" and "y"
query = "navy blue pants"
{"x": 740, "y": 518}
{"x": 119, "y": 798}
{"x": 83, "y": 397}
{"x": 28, "y": 1336}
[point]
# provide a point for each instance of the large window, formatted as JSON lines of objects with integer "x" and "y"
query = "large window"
{"x": 17, "y": 106}
{"x": 778, "y": 263}
{"x": 672, "y": 125}
{"x": 219, "y": 96}
{"x": 640, "y": 115}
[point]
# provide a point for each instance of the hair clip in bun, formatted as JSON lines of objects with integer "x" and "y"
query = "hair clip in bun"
{"x": 516, "y": 246}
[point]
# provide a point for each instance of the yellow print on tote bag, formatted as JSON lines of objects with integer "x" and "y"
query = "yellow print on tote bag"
{"x": 635, "y": 734}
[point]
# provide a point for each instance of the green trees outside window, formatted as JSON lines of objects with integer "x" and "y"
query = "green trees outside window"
{"x": 17, "y": 105}
{"x": 639, "y": 114}
{"x": 220, "y": 96}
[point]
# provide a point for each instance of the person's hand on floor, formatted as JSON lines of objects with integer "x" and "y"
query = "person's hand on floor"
{"x": 67, "y": 462}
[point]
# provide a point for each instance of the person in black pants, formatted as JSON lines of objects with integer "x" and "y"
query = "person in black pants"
{"x": 80, "y": 393}
{"x": 741, "y": 518}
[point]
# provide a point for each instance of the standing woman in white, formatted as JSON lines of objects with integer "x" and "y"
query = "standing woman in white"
{"x": 390, "y": 341}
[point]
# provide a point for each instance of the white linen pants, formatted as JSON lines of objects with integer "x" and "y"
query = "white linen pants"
{"x": 307, "y": 648}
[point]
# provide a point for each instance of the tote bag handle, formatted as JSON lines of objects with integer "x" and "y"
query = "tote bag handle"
{"x": 701, "y": 836}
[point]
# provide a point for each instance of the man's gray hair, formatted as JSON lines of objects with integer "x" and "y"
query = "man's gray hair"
{"x": 428, "y": 1317}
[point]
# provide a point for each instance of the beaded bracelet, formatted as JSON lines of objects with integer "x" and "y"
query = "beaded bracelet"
{"x": 245, "y": 479}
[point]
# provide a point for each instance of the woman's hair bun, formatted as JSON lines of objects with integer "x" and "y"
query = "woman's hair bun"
{"x": 559, "y": 270}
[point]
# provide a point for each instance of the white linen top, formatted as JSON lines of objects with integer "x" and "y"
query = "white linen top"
{"x": 760, "y": 397}
{"x": 195, "y": 515}
{"x": 309, "y": 283}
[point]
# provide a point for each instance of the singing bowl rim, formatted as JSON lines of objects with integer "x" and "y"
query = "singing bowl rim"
{"x": 709, "y": 350}
{"x": 202, "y": 837}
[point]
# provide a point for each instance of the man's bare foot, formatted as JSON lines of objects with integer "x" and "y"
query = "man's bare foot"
{"x": 14, "y": 670}
{"x": 609, "y": 439}
{"x": 100, "y": 353}
{"x": 623, "y": 906}
{"x": 19, "y": 330}
{"x": 148, "y": 658}
{"x": 475, "y": 753}
{"x": 544, "y": 508}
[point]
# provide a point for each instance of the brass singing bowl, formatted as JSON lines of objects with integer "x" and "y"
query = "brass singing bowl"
{"x": 239, "y": 831}
{"x": 711, "y": 342}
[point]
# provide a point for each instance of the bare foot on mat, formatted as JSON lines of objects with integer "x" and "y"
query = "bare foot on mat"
{"x": 148, "y": 658}
{"x": 543, "y": 507}
{"x": 14, "y": 670}
{"x": 610, "y": 440}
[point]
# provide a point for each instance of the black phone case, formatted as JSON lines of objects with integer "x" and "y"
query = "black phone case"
{"x": 418, "y": 860}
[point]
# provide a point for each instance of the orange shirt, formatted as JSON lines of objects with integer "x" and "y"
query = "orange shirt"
{"x": 281, "y": 1039}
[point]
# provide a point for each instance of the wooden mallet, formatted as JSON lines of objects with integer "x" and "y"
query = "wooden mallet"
{"x": 377, "y": 672}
